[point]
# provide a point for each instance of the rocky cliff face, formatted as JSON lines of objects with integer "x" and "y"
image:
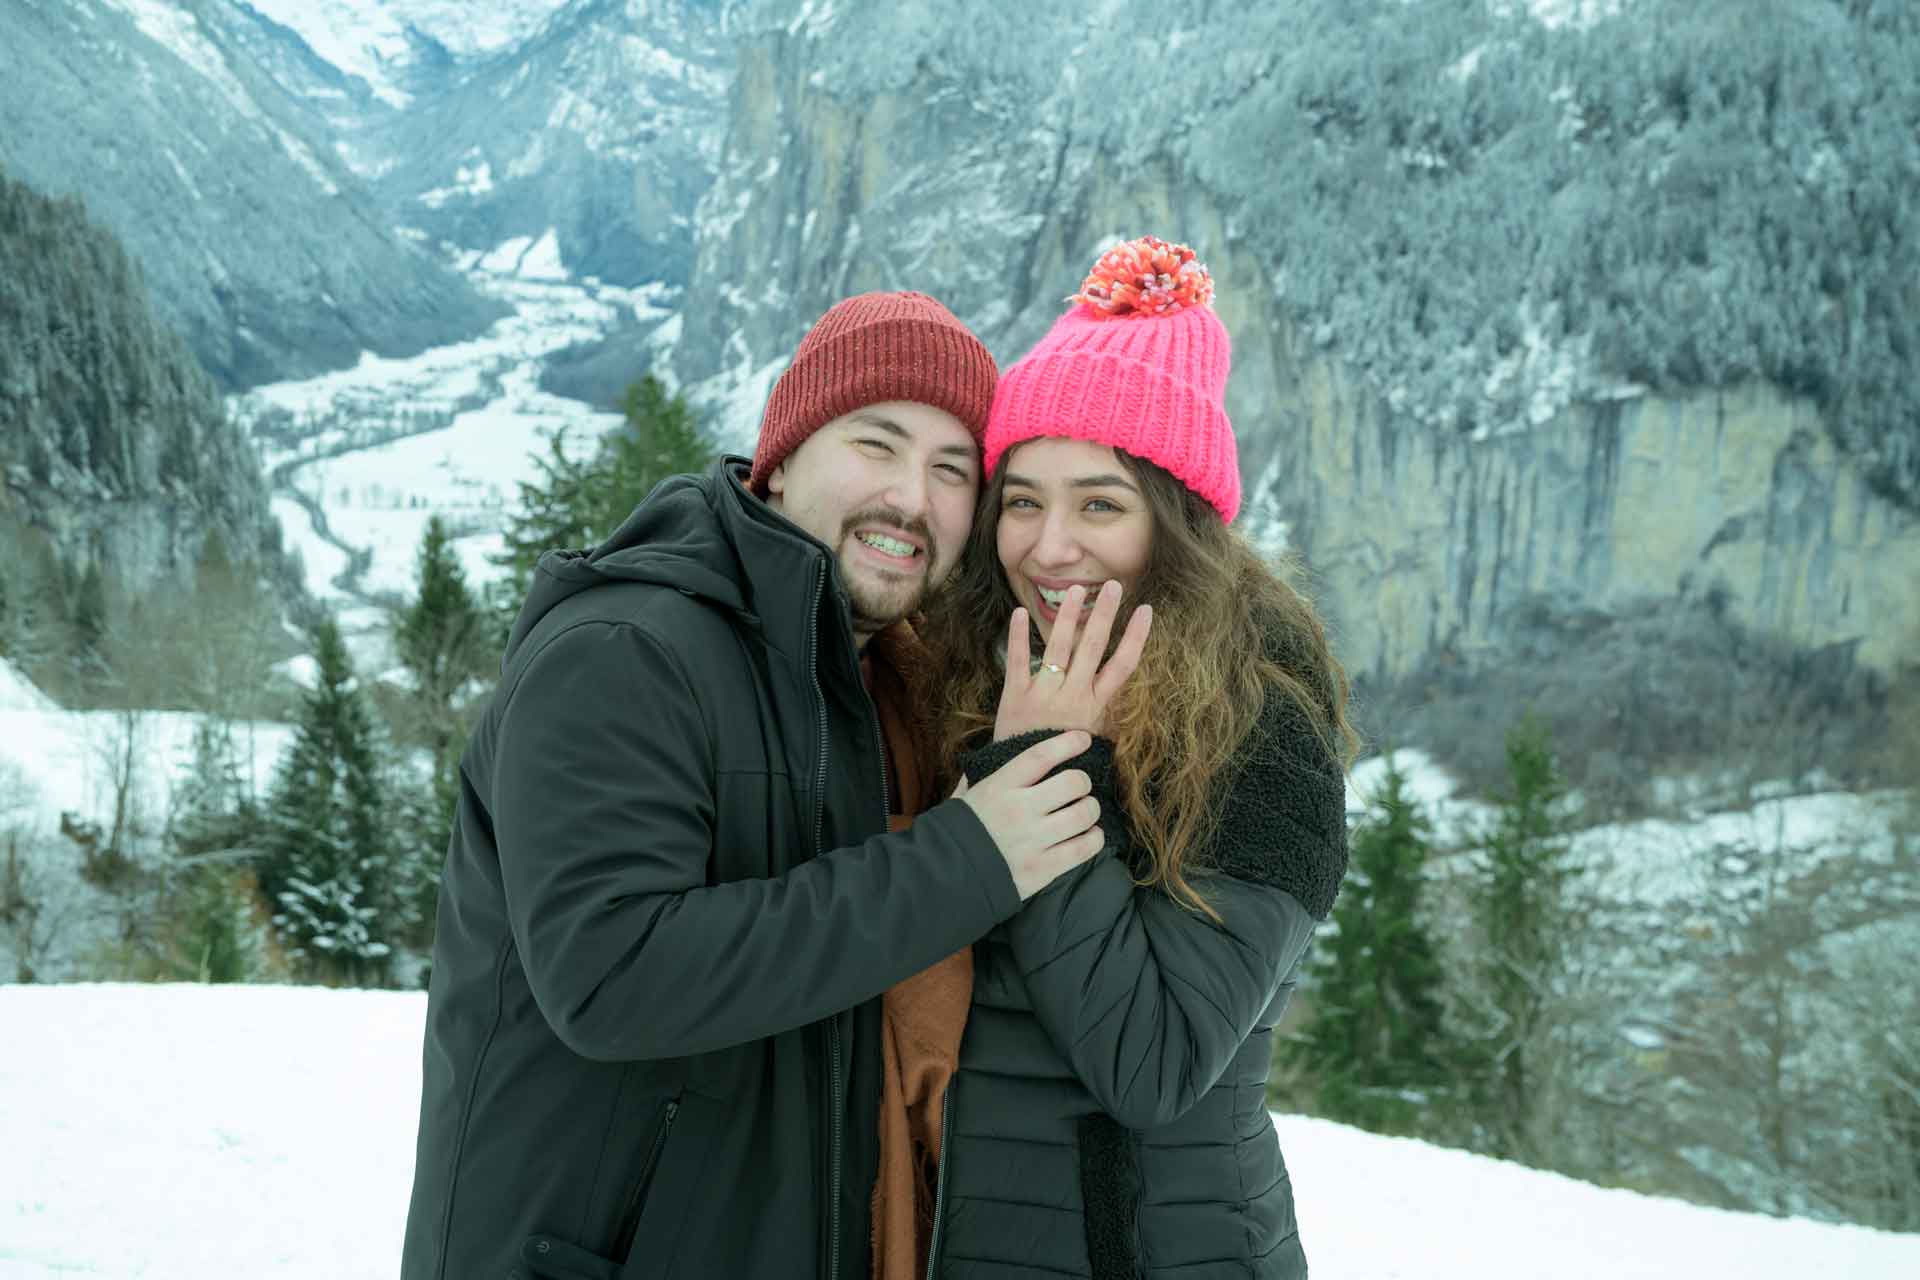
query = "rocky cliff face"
{"x": 191, "y": 131}
{"x": 1424, "y": 543}
{"x": 864, "y": 157}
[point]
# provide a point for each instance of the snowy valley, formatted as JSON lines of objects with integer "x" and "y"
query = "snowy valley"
{"x": 361, "y": 459}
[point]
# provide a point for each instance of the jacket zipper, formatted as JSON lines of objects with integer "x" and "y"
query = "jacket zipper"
{"x": 630, "y": 1217}
{"x": 940, "y": 1178}
{"x": 886, "y": 793}
{"x": 886, "y": 823}
{"x": 834, "y": 1102}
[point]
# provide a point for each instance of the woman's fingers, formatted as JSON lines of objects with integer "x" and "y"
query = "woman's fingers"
{"x": 1093, "y": 642}
{"x": 1043, "y": 757}
{"x": 1060, "y": 643}
{"x": 1018, "y": 663}
{"x": 1126, "y": 658}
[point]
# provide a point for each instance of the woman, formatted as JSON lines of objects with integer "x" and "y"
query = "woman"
{"x": 1108, "y": 1117}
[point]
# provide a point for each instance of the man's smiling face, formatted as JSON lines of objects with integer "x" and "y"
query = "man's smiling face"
{"x": 890, "y": 489}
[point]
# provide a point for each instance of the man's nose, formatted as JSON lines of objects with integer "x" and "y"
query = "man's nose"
{"x": 908, "y": 491}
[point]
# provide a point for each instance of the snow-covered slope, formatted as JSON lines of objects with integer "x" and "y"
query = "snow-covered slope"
{"x": 56, "y": 761}
{"x": 199, "y": 135}
{"x": 371, "y": 38}
{"x": 172, "y": 1133}
{"x": 17, "y": 693}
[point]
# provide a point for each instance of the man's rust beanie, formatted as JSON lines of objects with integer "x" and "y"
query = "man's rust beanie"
{"x": 867, "y": 350}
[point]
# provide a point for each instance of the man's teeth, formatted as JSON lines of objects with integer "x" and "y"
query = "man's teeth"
{"x": 892, "y": 546}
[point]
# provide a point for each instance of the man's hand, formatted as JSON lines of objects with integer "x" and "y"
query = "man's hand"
{"x": 1044, "y": 827}
{"x": 1071, "y": 689}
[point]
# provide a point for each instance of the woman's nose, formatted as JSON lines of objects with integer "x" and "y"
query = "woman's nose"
{"x": 1057, "y": 544}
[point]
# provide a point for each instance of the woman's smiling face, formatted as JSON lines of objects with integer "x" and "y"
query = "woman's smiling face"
{"x": 1070, "y": 515}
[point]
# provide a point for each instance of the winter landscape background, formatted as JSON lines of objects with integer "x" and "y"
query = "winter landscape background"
{"x": 1576, "y": 349}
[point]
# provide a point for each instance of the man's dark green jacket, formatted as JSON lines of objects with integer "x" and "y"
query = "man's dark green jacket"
{"x": 669, "y": 907}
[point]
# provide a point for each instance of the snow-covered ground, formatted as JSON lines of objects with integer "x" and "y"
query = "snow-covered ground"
{"x": 178, "y": 1132}
{"x": 1655, "y": 861}
{"x": 387, "y": 444}
{"x": 54, "y": 761}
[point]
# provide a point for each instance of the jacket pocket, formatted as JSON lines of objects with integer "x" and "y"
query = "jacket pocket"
{"x": 636, "y": 1202}
{"x": 663, "y": 1207}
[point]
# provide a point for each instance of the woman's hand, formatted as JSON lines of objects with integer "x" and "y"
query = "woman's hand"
{"x": 1070, "y": 689}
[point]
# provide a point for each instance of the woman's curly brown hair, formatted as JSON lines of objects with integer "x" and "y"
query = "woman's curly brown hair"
{"x": 1229, "y": 631}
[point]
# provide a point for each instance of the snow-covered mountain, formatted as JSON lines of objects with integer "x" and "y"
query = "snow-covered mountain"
{"x": 190, "y": 130}
{"x": 394, "y": 46}
{"x": 292, "y": 175}
{"x": 603, "y": 124}
{"x": 301, "y": 1105}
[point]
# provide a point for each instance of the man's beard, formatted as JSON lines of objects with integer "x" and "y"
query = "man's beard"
{"x": 875, "y": 607}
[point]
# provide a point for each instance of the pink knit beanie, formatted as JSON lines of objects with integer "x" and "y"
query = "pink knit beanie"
{"x": 1141, "y": 364}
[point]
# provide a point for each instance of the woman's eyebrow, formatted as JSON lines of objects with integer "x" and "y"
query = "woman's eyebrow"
{"x": 1102, "y": 482}
{"x": 1078, "y": 482}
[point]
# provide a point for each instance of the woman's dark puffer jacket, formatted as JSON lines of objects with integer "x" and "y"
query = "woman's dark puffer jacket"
{"x": 1109, "y": 1118}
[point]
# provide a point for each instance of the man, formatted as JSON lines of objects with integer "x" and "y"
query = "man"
{"x": 672, "y": 899}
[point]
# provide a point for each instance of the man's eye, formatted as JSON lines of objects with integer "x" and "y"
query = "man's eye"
{"x": 955, "y": 473}
{"x": 880, "y": 445}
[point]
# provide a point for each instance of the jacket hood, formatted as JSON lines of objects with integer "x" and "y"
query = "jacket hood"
{"x": 672, "y": 539}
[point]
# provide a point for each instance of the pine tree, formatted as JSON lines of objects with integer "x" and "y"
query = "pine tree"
{"x": 441, "y": 637}
{"x": 325, "y": 861}
{"x": 210, "y": 813}
{"x": 574, "y": 502}
{"x": 209, "y": 933}
{"x": 1376, "y": 1047}
{"x": 444, "y": 642}
{"x": 425, "y": 827}
{"x": 1521, "y": 907}
{"x": 552, "y": 514}
{"x": 662, "y": 439}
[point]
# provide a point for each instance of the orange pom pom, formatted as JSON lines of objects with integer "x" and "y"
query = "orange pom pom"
{"x": 1143, "y": 278}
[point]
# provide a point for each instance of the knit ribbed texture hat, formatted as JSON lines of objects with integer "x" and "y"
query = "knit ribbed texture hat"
{"x": 1140, "y": 363}
{"x": 867, "y": 350}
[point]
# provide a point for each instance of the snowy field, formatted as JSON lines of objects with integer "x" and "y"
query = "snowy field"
{"x": 180, "y": 1132}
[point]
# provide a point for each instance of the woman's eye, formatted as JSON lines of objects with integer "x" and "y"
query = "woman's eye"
{"x": 1101, "y": 506}
{"x": 880, "y": 446}
{"x": 1018, "y": 503}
